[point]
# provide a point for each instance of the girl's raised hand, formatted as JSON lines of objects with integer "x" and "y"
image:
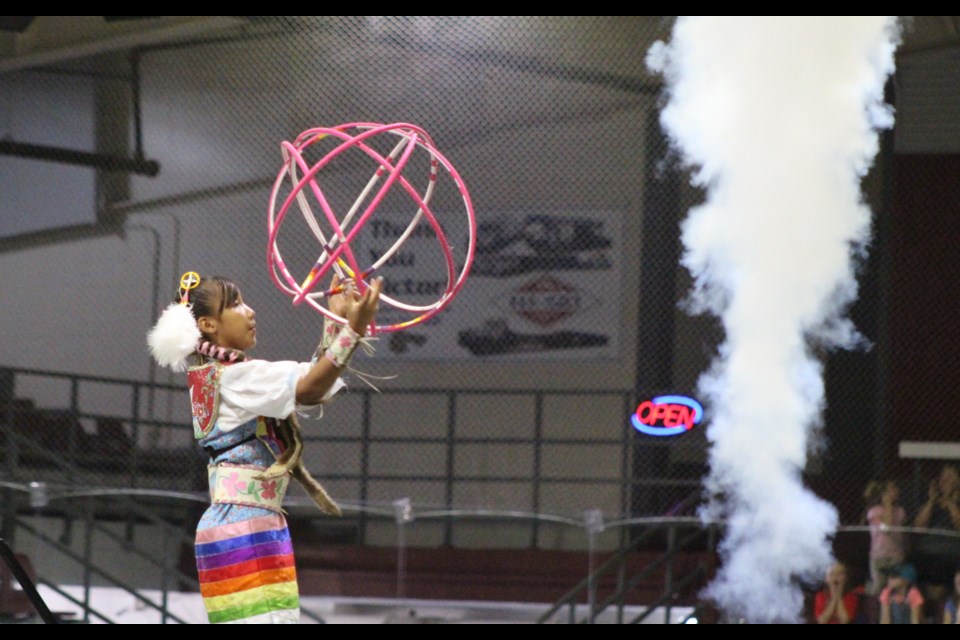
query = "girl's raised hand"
{"x": 339, "y": 303}
{"x": 362, "y": 310}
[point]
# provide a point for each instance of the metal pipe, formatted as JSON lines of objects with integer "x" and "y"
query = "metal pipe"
{"x": 102, "y": 161}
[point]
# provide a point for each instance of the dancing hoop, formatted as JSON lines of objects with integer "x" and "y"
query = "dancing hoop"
{"x": 335, "y": 243}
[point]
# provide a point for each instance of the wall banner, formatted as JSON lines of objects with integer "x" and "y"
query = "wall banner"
{"x": 543, "y": 286}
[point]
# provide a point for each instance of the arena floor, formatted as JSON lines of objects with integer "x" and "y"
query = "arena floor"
{"x": 122, "y": 608}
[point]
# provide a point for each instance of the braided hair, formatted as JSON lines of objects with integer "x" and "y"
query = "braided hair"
{"x": 209, "y": 298}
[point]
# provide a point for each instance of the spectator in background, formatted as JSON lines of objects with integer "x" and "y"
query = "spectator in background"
{"x": 901, "y": 602}
{"x": 838, "y": 602}
{"x": 952, "y": 601}
{"x": 937, "y": 551}
{"x": 942, "y": 508}
{"x": 886, "y": 518}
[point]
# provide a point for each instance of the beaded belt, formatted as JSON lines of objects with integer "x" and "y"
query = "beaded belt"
{"x": 241, "y": 484}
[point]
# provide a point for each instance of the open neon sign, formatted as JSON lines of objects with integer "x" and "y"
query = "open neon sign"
{"x": 667, "y": 415}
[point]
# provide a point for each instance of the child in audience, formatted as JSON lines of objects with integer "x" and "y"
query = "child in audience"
{"x": 901, "y": 602}
{"x": 837, "y": 602}
{"x": 886, "y": 518}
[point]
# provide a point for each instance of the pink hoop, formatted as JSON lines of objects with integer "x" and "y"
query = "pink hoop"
{"x": 335, "y": 247}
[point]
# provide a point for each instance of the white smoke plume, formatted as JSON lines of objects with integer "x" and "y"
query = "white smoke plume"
{"x": 777, "y": 119}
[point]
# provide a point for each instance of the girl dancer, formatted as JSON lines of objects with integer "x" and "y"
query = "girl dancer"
{"x": 244, "y": 416}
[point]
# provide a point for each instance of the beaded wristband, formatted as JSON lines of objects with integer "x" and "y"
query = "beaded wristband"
{"x": 330, "y": 330}
{"x": 342, "y": 346}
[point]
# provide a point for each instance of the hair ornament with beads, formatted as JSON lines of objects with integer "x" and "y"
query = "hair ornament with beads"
{"x": 189, "y": 280}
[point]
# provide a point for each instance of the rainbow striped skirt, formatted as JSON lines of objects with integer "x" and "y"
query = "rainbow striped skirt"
{"x": 247, "y": 572}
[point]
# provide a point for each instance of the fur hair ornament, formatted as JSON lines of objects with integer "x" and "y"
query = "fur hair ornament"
{"x": 174, "y": 337}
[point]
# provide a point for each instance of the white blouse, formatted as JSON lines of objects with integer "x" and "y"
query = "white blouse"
{"x": 263, "y": 388}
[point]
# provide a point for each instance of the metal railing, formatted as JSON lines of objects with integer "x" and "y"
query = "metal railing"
{"x": 83, "y": 506}
{"x": 611, "y": 588}
{"x": 617, "y": 564}
{"x": 26, "y": 583}
{"x": 63, "y": 452}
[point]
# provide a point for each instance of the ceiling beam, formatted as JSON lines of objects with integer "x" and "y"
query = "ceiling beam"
{"x": 52, "y": 39}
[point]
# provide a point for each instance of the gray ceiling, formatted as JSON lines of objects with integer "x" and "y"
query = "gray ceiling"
{"x": 29, "y": 41}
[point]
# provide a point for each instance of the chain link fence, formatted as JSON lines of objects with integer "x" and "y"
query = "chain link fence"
{"x": 515, "y": 396}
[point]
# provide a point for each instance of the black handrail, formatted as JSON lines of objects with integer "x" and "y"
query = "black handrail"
{"x": 616, "y": 563}
{"x": 26, "y": 583}
{"x": 112, "y": 579}
{"x": 667, "y": 557}
{"x": 115, "y": 581}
